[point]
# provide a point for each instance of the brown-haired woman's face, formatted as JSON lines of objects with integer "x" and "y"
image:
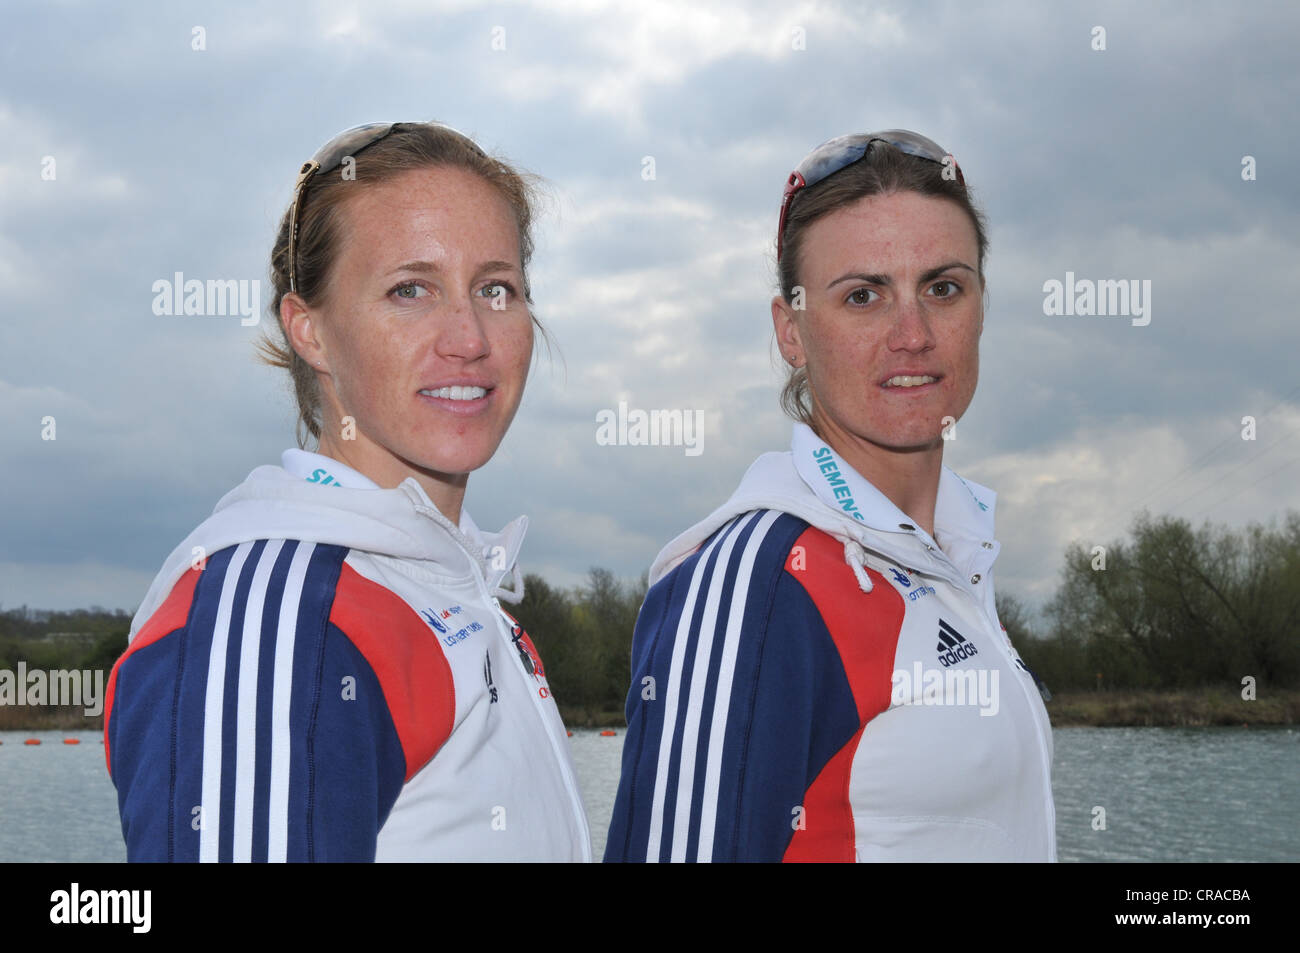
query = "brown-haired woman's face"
{"x": 892, "y": 320}
{"x": 425, "y": 329}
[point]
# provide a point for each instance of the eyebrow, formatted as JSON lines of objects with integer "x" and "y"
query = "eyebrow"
{"x": 428, "y": 267}
{"x": 876, "y": 279}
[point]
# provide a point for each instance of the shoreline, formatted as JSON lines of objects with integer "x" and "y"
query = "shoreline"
{"x": 1106, "y": 709}
{"x": 1176, "y": 709}
{"x": 1187, "y": 708}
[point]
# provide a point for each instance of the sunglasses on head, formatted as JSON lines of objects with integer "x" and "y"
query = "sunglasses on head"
{"x": 839, "y": 153}
{"x": 328, "y": 158}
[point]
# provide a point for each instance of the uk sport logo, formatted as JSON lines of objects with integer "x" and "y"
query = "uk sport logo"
{"x": 438, "y": 618}
{"x": 953, "y": 647}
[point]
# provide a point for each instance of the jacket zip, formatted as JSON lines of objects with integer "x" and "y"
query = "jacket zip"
{"x": 504, "y": 626}
{"x": 566, "y": 769}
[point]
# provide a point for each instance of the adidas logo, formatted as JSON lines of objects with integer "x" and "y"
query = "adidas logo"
{"x": 952, "y": 646}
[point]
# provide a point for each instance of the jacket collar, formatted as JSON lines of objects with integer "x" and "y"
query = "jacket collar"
{"x": 963, "y": 508}
{"x": 403, "y": 523}
{"x": 318, "y": 468}
{"x": 500, "y": 551}
{"x": 795, "y": 483}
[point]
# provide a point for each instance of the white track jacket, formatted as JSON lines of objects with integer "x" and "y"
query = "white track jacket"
{"x": 322, "y": 671}
{"x": 815, "y": 678}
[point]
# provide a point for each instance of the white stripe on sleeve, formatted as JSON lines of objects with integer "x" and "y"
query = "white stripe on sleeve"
{"x": 722, "y": 698}
{"x": 670, "y": 698}
{"x": 213, "y": 704}
{"x": 699, "y": 683}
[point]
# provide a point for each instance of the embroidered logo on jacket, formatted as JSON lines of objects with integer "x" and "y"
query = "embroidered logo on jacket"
{"x": 904, "y": 580}
{"x": 953, "y": 646}
{"x": 438, "y": 621}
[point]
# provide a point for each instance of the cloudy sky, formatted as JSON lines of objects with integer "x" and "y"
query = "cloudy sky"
{"x": 1117, "y": 163}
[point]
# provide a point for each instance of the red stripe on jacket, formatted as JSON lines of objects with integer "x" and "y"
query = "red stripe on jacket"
{"x": 407, "y": 659}
{"x": 167, "y": 618}
{"x": 865, "y": 627}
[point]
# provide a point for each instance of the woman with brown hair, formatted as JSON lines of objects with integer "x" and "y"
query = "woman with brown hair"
{"x": 818, "y": 669}
{"x": 323, "y": 670}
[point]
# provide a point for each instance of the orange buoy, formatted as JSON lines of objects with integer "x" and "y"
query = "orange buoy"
{"x": 607, "y": 734}
{"x": 571, "y": 734}
{"x": 32, "y": 741}
{"x": 72, "y": 741}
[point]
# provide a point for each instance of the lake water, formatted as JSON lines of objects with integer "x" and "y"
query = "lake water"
{"x": 1169, "y": 794}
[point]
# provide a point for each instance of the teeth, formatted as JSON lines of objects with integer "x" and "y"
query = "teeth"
{"x": 457, "y": 393}
{"x": 905, "y": 381}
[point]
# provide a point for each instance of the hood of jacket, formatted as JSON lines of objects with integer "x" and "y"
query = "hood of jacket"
{"x": 811, "y": 481}
{"x": 313, "y": 498}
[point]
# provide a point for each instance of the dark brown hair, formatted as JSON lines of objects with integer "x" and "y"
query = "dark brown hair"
{"x": 409, "y": 146}
{"x": 882, "y": 171}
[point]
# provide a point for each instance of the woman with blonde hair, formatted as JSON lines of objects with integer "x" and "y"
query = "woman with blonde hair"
{"x": 323, "y": 671}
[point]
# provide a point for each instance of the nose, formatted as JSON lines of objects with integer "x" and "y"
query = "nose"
{"x": 462, "y": 334}
{"x": 911, "y": 328}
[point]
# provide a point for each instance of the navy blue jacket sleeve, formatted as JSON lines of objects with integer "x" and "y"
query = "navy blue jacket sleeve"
{"x": 738, "y": 699}
{"x": 245, "y": 726}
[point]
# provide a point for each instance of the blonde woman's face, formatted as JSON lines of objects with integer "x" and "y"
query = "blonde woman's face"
{"x": 892, "y": 321}
{"x": 425, "y": 330}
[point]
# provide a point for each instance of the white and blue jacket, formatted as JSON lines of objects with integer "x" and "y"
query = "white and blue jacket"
{"x": 323, "y": 671}
{"x": 815, "y": 678}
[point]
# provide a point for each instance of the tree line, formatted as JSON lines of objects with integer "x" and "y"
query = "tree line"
{"x": 584, "y": 636}
{"x": 1172, "y": 607}
{"x": 1168, "y": 608}
{"x": 94, "y": 638}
